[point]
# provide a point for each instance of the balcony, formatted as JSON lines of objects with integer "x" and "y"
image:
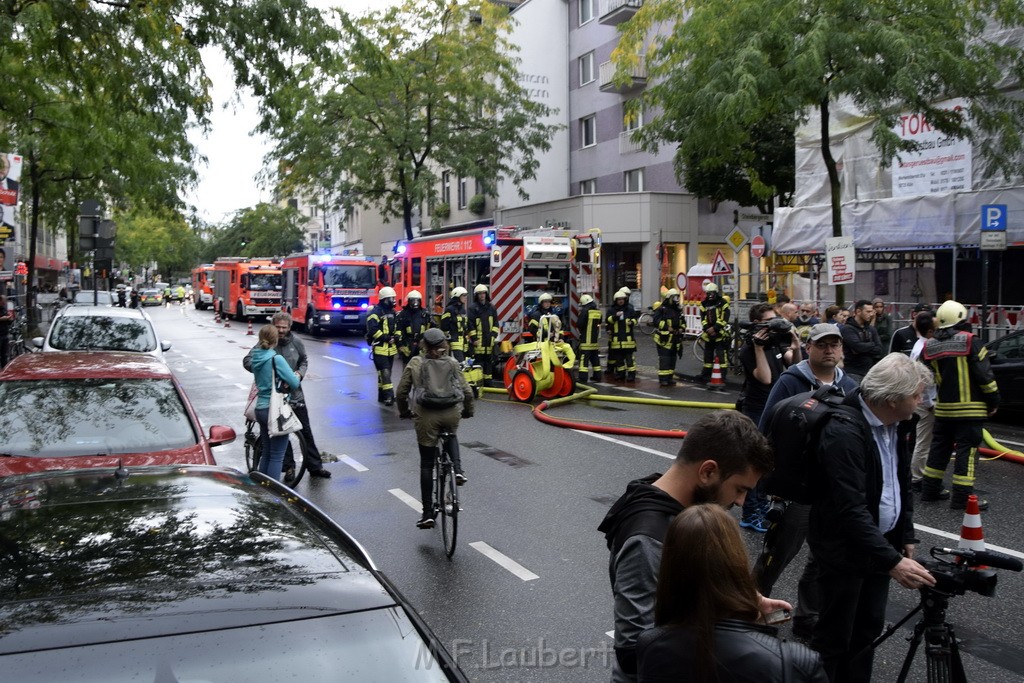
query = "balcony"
{"x": 614, "y": 12}
{"x": 626, "y": 144}
{"x": 638, "y": 78}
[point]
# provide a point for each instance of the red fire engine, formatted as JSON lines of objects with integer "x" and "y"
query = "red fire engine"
{"x": 202, "y": 286}
{"x": 246, "y": 286}
{"x": 517, "y": 264}
{"x": 328, "y": 291}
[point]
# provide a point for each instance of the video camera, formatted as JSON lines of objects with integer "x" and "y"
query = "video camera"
{"x": 780, "y": 331}
{"x": 971, "y": 570}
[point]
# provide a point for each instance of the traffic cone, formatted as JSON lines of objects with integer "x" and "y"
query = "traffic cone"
{"x": 716, "y": 383}
{"x": 249, "y": 331}
{"x": 971, "y": 536}
{"x": 216, "y": 317}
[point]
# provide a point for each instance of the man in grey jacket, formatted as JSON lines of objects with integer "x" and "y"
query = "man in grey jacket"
{"x": 721, "y": 459}
{"x": 294, "y": 352}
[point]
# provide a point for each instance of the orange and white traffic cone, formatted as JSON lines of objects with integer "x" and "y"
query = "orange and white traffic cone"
{"x": 716, "y": 383}
{"x": 249, "y": 331}
{"x": 971, "y": 535}
{"x": 216, "y": 317}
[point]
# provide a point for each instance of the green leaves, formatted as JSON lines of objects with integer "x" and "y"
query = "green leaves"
{"x": 263, "y": 230}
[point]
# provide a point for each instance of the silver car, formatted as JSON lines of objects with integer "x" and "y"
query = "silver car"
{"x": 102, "y": 328}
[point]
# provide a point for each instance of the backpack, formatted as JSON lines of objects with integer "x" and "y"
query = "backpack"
{"x": 793, "y": 431}
{"x": 439, "y": 385}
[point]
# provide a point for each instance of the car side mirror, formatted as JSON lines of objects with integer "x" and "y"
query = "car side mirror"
{"x": 220, "y": 435}
{"x": 37, "y": 342}
{"x": 165, "y": 346}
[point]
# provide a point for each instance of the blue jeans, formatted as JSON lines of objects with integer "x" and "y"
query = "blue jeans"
{"x": 271, "y": 447}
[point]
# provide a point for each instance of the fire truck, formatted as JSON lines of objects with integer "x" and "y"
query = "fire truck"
{"x": 329, "y": 292}
{"x": 518, "y": 264}
{"x": 202, "y": 286}
{"x": 244, "y": 287}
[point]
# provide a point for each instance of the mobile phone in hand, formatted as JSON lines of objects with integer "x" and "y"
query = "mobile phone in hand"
{"x": 779, "y": 616}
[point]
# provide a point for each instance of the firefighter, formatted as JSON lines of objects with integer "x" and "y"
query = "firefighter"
{"x": 966, "y": 395}
{"x": 620, "y": 323}
{"x": 454, "y": 323}
{"x": 714, "y": 320}
{"x": 411, "y": 322}
{"x": 538, "y": 327}
{"x": 668, "y": 336}
{"x": 483, "y": 330}
{"x": 382, "y": 334}
{"x": 590, "y": 330}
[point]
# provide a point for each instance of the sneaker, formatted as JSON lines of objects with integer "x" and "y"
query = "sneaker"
{"x": 754, "y": 523}
{"x": 322, "y": 473}
{"x": 931, "y": 497}
{"x": 425, "y": 523}
{"x": 460, "y": 479}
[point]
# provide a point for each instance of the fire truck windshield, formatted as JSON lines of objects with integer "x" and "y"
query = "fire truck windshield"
{"x": 350, "y": 277}
{"x": 262, "y": 282}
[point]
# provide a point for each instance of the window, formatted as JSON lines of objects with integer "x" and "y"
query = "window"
{"x": 588, "y": 186}
{"x": 635, "y": 180}
{"x": 588, "y": 131}
{"x": 462, "y": 187}
{"x": 631, "y": 120}
{"x": 587, "y": 68}
{"x": 446, "y": 188}
{"x": 586, "y": 10}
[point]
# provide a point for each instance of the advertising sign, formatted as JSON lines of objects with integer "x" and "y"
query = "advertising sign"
{"x": 941, "y": 164}
{"x": 10, "y": 183}
{"x": 840, "y": 260}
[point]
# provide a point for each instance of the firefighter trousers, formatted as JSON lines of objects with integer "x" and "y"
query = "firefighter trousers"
{"x": 957, "y": 439}
{"x": 625, "y": 364}
{"x": 590, "y": 363}
{"x": 484, "y": 358}
{"x": 666, "y": 366}
{"x": 385, "y": 389}
{"x": 715, "y": 349}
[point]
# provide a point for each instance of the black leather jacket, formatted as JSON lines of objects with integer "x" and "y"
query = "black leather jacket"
{"x": 744, "y": 652}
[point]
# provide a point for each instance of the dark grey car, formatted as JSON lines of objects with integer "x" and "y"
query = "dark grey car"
{"x": 194, "y": 573}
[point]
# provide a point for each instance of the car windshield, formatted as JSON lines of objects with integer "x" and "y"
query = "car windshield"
{"x": 102, "y": 333}
{"x": 149, "y": 292}
{"x": 88, "y": 296}
{"x": 264, "y": 282}
{"x": 353, "y": 277}
{"x": 72, "y": 417}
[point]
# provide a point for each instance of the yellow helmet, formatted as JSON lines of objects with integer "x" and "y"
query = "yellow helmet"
{"x": 950, "y": 313}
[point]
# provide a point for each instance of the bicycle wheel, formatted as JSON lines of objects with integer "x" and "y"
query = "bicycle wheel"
{"x": 298, "y": 457}
{"x": 449, "y": 501}
{"x": 698, "y": 349}
{"x": 252, "y": 447}
{"x": 645, "y": 323}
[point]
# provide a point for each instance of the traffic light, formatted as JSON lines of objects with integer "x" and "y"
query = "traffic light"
{"x": 490, "y": 237}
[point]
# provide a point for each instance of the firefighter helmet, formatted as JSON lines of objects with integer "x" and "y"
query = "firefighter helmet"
{"x": 622, "y": 293}
{"x": 414, "y": 294}
{"x": 480, "y": 289}
{"x": 710, "y": 287}
{"x": 386, "y": 293}
{"x": 459, "y": 291}
{"x": 949, "y": 314}
{"x": 671, "y": 293}
{"x": 544, "y": 297}
{"x": 586, "y": 299}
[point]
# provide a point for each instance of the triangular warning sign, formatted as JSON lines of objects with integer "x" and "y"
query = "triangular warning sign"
{"x": 720, "y": 266}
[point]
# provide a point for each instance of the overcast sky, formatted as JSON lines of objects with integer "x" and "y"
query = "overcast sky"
{"x": 234, "y": 155}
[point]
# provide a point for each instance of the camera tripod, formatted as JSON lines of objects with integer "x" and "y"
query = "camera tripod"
{"x": 941, "y": 650}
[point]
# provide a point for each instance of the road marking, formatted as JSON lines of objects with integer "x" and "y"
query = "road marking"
{"x": 407, "y": 499}
{"x": 503, "y": 561}
{"x": 241, "y": 386}
{"x": 223, "y": 376}
{"x": 338, "y": 360}
{"x": 956, "y": 537}
{"x": 353, "y": 464}
{"x": 211, "y": 369}
{"x": 605, "y": 437}
{"x": 645, "y": 393}
{"x": 1007, "y": 442}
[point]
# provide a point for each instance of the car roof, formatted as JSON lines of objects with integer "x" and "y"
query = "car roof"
{"x": 104, "y": 311}
{"x": 84, "y": 365}
{"x": 154, "y": 551}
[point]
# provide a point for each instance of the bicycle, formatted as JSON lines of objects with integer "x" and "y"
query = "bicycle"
{"x": 446, "y": 493}
{"x": 645, "y": 323}
{"x": 16, "y": 341}
{"x": 253, "y": 451}
{"x": 733, "y": 355}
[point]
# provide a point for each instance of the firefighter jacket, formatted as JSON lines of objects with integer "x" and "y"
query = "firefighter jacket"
{"x": 411, "y": 324}
{"x": 590, "y": 326}
{"x": 668, "y": 321}
{"x": 455, "y": 325}
{"x": 714, "y": 319}
{"x": 620, "y": 322}
{"x": 535, "y": 322}
{"x": 483, "y": 326}
{"x": 382, "y": 331}
{"x": 966, "y": 388}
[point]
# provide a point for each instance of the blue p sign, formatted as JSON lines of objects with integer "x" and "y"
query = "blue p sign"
{"x": 993, "y": 217}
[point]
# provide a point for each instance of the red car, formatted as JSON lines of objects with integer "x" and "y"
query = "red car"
{"x": 76, "y": 409}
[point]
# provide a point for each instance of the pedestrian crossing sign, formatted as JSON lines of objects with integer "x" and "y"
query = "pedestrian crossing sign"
{"x": 720, "y": 266}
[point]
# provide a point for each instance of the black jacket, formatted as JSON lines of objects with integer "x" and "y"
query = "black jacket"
{"x": 843, "y": 529}
{"x": 744, "y": 652}
{"x": 861, "y": 347}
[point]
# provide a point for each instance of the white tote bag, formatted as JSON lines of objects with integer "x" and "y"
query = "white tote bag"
{"x": 282, "y": 419}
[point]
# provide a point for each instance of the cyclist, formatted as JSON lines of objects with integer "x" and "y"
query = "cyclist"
{"x": 434, "y": 379}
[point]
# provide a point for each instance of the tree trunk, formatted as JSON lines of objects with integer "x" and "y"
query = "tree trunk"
{"x": 834, "y": 187}
{"x": 407, "y": 217}
{"x": 30, "y": 295}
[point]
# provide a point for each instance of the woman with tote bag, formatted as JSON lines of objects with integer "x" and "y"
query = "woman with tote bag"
{"x": 268, "y": 366}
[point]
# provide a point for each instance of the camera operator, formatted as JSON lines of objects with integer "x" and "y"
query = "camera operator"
{"x": 770, "y": 346}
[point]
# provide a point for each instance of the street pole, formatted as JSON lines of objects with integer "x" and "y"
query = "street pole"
{"x": 984, "y": 296}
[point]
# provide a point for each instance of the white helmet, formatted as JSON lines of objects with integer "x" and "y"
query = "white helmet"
{"x": 386, "y": 293}
{"x": 544, "y": 297}
{"x": 414, "y": 294}
{"x": 459, "y": 291}
{"x": 671, "y": 293}
{"x": 949, "y": 314}
{"x": 622, "y": 293}
{"x": 586, "y": 299}
{"x": 480, "y": 289}
{"x": 710, "y": 287}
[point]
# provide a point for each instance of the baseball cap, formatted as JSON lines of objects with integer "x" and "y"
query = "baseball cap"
{"x": 922, "y": 306}
{"x": 822, "y": 330}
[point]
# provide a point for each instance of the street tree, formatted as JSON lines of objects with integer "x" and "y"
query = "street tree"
{"x": 161, "y": 237}
{"x": 719, "y": 67}
{"x": 399, "y": 95}
{"x": 261, "y": 230}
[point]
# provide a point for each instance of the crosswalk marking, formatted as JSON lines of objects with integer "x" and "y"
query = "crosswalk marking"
{"x": 503, "y": 561}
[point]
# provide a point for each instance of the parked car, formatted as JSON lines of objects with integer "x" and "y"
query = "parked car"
{"x": 195, "y": 574}
{"x": 102, "y": 328}
{"x": 91, "y": 297}
{"x": 76, "y": 409}
{"x": 150, "y": 297}
{"x": 1006, "y": 356}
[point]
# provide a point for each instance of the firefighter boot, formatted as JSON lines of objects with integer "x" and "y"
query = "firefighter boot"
{"x": 931, "y": 490}
{"x": 583, "y": 377}
{"x": 958, "y": 501}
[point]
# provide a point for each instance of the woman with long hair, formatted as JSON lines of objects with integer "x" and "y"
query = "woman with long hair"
{"x": 706, "y": 608}
{"x": 266, "y": 363}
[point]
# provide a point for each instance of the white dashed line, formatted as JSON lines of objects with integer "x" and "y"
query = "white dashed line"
{"x": 338, "y": 360}
{"x": 358, "y": 467}
{"x": 241, "y": 386}
{"x": 211, "y": 369}
{"x": 647, "y": 393}
{"x": 620, "y": 442}
{"x": 503, "y": 561}
{"x": 956, "y": 537}
{"x": 407, "y": 499}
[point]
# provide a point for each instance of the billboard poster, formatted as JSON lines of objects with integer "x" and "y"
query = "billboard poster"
{"x": 940, "y": 164}
{"x": 840, "y": 260}
{"x": 10, "y": 183}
